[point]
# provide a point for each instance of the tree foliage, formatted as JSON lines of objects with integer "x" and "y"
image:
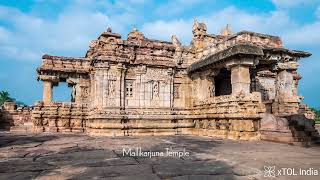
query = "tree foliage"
{"x": 317, "y": 111}
{"x": 4, "y": 96}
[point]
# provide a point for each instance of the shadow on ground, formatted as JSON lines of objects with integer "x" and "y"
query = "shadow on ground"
{"x": 85, "y": 157}
{"x": 7, "y": 139}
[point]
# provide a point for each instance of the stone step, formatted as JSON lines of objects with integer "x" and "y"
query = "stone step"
{"x": 302, "y": 143}
{"x": 296, "y": 133}
{"x": 21, "y": 129}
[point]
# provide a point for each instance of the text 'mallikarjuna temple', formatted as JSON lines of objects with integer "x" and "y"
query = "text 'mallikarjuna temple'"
{"x": 231, "y": 85}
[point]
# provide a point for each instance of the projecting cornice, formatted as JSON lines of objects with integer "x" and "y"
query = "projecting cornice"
{"x": 237, "y": 50}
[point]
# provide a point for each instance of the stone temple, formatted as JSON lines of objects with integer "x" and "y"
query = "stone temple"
{"x": 240, "y": 86}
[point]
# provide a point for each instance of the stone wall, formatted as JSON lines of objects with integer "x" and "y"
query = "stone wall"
{"x": 231, "y": 116}
{"x": 59, "y": 117}
{"x": 15, "y": 118}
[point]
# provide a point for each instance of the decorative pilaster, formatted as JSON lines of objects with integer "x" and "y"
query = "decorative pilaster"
{"x": 171, "y": 78}
{"x": 121, "y": 79}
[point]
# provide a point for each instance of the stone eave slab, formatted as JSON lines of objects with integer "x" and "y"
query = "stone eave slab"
{"x": 294, "y": 53}
{"x": 240, "y": 49}
{"x": 62, "y": 64}
{"x": 46, "y": 56}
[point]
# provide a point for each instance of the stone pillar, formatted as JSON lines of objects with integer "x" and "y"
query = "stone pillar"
{"x": 240, "y": 79}
{"x": 286, "y": 100}
{"x": 285, "y": 85}
{"x": 48, "y": 83}
{"x": 240, "y": 74}
{"x": 47, "y": 92}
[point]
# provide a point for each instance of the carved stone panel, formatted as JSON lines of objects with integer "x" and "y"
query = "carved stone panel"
{"x": 151, "y": 87}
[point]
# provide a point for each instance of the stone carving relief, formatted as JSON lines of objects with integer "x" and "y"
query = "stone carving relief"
{"x": 74, "y": 93}
{"x": 155, "y": 89}
{"x": 156, "y": 74}
{"x": 111, "y": 88}
{"x": 129, "y": 88}
{"x": 85, "y": 92}
{"x": 176, "y": 89}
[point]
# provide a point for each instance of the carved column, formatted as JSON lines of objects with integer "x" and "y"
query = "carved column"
{"x": 286, "y": 80}
{"x": 203, "y": 86}
{"x": 284, "y": 85}
{"x": 286, "y": 100}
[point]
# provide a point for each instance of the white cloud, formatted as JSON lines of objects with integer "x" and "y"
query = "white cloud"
{"x": 305, "y": 35}
{"x": 276, "y": 23}
{"x": 30, "y": 36}
{"x": 293, "y": 3}
{"x": 164, "y": 30}
{"x": 294, "y": 35}
{"x": 15, "y": 53}
{"x": 137, "y": 1}
{"x": 4, "y": 35}
{"x": 175, "y": 7}
{"x": 70, "y": 32}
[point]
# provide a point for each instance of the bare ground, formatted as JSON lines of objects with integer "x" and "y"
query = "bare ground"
{"x": 72, "y": 156}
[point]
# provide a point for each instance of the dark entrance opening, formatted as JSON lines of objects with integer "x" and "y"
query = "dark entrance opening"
{"x": 223, "y": 83}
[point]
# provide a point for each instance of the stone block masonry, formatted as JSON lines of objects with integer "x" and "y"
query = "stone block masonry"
{"x": 239, "y": 86}
{"x": 17, "y": 119}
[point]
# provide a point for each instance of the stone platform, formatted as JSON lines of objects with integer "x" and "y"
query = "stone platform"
{"x": 69, "y": 156}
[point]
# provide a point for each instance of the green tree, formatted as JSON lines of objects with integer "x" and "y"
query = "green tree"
{"x": 4, "y": 96}
{"x": 317, "y": 111}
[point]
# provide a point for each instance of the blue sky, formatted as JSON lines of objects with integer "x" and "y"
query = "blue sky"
{"x": 31, "y": 28}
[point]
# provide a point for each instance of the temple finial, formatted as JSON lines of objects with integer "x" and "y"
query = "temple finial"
{"x": 226, "y": 31}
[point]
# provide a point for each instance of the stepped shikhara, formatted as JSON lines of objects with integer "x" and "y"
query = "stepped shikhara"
{"x": 232, "y": 85}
